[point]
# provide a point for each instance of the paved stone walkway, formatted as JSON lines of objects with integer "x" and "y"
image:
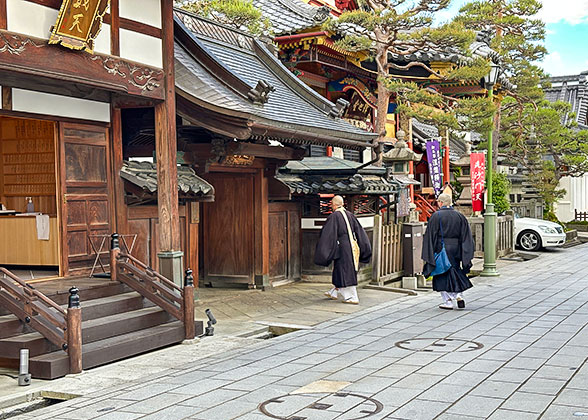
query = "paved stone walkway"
{"x": 518, "y": 351}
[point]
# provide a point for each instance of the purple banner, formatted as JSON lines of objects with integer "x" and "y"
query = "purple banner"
{"x": 434, "y": 158}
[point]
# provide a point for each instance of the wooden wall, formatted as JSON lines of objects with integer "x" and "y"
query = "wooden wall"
{"x": 27, "y": 169}
{"x": 284, "y": 242}
{"x": 143, "y": 221}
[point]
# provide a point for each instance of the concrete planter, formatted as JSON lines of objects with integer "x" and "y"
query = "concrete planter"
{"x": 578, "y": 227}
{"x": 571, "y": 235}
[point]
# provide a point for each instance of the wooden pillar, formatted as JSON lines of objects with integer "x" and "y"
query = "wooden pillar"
{"x": 114, "y": 28}
{"x": 377, "y": 249}
{"x": 119, "y": 219}
{"x": 74, "y": 331}
{"x": 114, "y": 253}
{"x": 165, "y": 142}
{"x": 446, "y": 175}
{"x": 261, "y": 233}
{"x": 6, "y": 97}
{"x": 193, "y": 234}
{"x": 188, "y": 295}
{"x": 170, "y": 256}
{"x": 3, "y": 23}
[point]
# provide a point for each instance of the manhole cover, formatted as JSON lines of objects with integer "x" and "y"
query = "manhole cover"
{"x": 349, "y": 406}
{"x": 439, "y": 345}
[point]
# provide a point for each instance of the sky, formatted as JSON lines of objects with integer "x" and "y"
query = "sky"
{"x": 566, "y": 38}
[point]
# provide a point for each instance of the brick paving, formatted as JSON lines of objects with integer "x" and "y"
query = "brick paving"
{"x": 518, "y": 351}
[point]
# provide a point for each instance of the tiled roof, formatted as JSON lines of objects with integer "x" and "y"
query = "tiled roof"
{"x": 319, "y": 184}
{"x": 330, "y": 175}
{"x": 291, "y": 16}
{"x": 573, "y": 90}
{"x": 322, "y": 164}
{"x": 144, "y": 175}
{"x": 291, "y": 107}
{"x": 423, "y": 132}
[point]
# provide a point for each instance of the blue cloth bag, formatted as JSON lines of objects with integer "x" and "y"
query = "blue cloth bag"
{"x": 442, "y": 263}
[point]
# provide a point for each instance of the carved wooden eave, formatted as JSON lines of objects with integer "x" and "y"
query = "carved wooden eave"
{"x": 35, "y": 58}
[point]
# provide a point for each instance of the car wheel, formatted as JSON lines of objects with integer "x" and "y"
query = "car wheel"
{"x": 530, "y": 240}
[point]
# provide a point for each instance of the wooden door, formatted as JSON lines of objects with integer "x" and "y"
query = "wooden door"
{"x": 228, "y": 229}
{"x": 278, "y": 245}
{"x": 84, "y": 179}
{"x": 285, "y": 247}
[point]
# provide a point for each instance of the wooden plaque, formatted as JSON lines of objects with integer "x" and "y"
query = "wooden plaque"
{"x": 78, "y": 24}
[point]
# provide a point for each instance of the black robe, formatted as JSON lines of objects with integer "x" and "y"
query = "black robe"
{"x": 334, "y": 245}
{"x": 459, "y": 245}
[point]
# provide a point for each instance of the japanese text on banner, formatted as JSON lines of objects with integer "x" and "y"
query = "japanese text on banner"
{"x": 434, "y": 158}
{"x": 478, "y": 176}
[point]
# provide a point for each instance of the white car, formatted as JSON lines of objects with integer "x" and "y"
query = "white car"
{"x": 534, "y": 234}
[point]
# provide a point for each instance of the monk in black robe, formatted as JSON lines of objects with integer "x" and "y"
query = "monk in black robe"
{"x": 334, "y": 245}
{"x": 459, "y": 246}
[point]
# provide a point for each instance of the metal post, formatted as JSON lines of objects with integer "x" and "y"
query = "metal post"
{"x": 114, "y": 251}
{"x": 489, "y": 215}
{"x": 24, "y": 377}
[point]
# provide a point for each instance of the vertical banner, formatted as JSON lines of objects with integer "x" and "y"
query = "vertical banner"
{"x": 478, "y": 176}
{"x": 434, "y": 158}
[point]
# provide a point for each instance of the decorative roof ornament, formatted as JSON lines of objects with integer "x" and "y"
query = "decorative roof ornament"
{"x": 260, "y": 94}
{"x": 338, "y": 110}
{"x": 401, "y": 152}
{"x": 481, "y": 47}
{"x": 322, "y": 14}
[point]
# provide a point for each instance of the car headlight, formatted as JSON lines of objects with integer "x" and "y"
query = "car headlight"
{"x": 547, "y": 229}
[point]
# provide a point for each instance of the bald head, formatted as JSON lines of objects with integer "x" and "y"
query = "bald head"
{"x": 445, "y": 200}
{"x": 337, "y": 202}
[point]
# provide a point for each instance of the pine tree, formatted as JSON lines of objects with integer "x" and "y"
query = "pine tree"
{"x": 550, "y": 150}
{"x": 239, "y": 14}
{"x": 519, "y": 42}
{"x": 386, "y": 28}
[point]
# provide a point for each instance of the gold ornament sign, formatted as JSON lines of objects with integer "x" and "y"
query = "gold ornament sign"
{"x": 78, "y": 24}
{"x": 239, "y": 160}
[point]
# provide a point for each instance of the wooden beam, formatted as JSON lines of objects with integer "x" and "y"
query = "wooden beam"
{"x": 216, "y": 122}
{"x": 6, "y": 97}
{"x": 114, "y": 28}
{"x": 204, "y": 151}
{"x": 28, "y": 56}
{"x": 270, "y": 152}
{"x": 166, "y": 144}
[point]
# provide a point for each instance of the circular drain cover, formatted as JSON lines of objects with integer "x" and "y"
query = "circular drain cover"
{"x": 439, "y": 345}
{"x": 310, "y": 406}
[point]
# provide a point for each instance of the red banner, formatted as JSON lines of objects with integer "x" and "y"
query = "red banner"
{"x": 478, "y": 176}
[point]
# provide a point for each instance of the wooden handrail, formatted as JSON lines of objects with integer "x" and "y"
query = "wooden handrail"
{"x": 148, "y": 269}
{"x": 175, "y": 300}
{"x": 30, "y": 289}
{"x": 63, "y": 329}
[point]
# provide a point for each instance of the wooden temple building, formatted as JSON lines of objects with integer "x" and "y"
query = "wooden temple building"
{"x": 312, "y": 55}
{"x": 168, "y": 130}
{"x": 69, "y": 74}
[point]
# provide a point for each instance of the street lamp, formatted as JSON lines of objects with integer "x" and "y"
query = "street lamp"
{"x": 490, "y": 215}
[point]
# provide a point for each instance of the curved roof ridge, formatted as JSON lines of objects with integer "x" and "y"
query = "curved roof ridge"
{"x": 278, "y": 68}
{"x": 301, "y": 8}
